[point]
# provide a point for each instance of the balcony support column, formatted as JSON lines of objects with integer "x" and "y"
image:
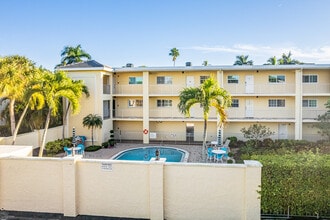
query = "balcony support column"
{"x": 146, "y": 107}
{"x": 298, "y": 105}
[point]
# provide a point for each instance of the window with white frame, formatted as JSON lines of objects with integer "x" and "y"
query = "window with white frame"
{"x": 233, "y": 79}
{"x": 135, "y": 103}
{"x": 135, "y": 80}
{"x": 309, "y": 103}
{"x": 309, "y": 78}
{"x": 164, "y": 80}
{"x": 106, "y": 109}
{"x": 203, "y": 78}
{"x": 164, "y": 103}
{"x": 234, "y": 103}
{"x": 276, "y": 103}
{"x": 276, "y": 78}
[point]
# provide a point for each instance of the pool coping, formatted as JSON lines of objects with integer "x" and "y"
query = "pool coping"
{"x": 183, "y": 160}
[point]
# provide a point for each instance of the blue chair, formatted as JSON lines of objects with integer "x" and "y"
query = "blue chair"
{"x": 210, "y": 155}
{"x": 68, "y": 151}
{"x": 82, "y": 149}
{"x": 219, "y": 157}
{"x": 226, "y": 154}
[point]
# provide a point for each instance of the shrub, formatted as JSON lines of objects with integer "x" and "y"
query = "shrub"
{"x": 93, "y": 148}
{"x": 54, "y": 147}
{"x": 295, "y": 182}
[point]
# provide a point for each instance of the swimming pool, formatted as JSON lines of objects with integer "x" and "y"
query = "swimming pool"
{"x": 146, "y": 153}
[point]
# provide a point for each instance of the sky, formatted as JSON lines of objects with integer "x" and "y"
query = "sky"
{"x": 142, "y": 32}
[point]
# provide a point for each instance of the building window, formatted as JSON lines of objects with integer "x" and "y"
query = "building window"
{"x": 203, "y": 78}
{"x": 234, "y": 103}
{"x": 276, "y": 103}
{"x": 135, "y": 80}
{"x": 276, "y": 78}
{"x": 309, "y": 103}
{"x": 106, "y": 109}
{"x": 135, "y": 103}
{"x": 309, "y": 78}
{"x": 233, "y": 79}
{"x": 164, "y": 80}
{"x": 164, "y": 103}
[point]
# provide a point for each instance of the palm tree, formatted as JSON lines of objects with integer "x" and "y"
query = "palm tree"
{"x": 73, "y": 55}
{"x": 55, "y": 87}
{"x": 174, "y": 53}
{"x": 208, "y": 95}
{"x": 92, "y": 121}
{"x": 33, "y": 98}
{"x": 15, "y": 74}
{"x": 84, "y": 89}
{"x": 243, "y": 60}
{"x": 205, "y": 63}
{"x": 272, "y": 61}
{"x": 287, "y": 60}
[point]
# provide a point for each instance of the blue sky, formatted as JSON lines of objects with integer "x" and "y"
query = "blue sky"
{"x": 142, "y": 32}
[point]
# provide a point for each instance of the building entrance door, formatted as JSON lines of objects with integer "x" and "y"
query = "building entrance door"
{"x": 190, "y": 132}
{"x": 249, "y": 108}
{"x": 282, "y": 131}
{"x": 190, "y": 82}
{"x": 249, "y": 84}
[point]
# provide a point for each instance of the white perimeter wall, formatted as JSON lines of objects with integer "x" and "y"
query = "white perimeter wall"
{"x": 151, "y": 190}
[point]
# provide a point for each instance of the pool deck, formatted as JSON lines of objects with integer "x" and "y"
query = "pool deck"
{"x": 195, "y": 151}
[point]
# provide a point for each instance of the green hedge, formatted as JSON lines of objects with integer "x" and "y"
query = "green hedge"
{"x": 295, "y": 184}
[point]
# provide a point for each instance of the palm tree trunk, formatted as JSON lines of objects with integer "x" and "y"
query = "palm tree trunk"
{"x": 92, "y": 136}
{"x": 43, "y": 143}
{"x": 204, "y": 141}
{"x": 19, "y": 123}
{"x": 64, "y": 120}
{"x": 12, "y": 115}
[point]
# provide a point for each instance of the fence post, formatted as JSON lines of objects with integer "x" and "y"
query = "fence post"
{"x": 156, "y": 189}
{"x": 252, "y": 186}
{"x": 69, "y": 186}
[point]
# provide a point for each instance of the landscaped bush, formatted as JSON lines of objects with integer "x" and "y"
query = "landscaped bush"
{"x": 55, "y": 147}
{"x": 93, "y": 148}
{"x": 295, "y": 183}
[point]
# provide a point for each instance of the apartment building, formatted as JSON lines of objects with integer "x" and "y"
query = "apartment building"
{"x": 140, "y": 103}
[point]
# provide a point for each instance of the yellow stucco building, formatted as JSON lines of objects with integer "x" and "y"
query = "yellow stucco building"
{"x": 140, "y": 103}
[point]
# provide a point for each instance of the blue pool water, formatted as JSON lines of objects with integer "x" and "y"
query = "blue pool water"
{"x": 146, "y": 153}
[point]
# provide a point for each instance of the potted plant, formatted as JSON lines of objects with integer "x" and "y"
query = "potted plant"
{"x": 112, "y": 139}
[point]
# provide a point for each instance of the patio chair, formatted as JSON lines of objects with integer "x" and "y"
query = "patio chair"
{"x": 81, "y": 151}
{"x": 225, "y": 149}
{"x": 219, "y": 157}
{"x": 210, "y": 155}
{"x": 68, "y": 151}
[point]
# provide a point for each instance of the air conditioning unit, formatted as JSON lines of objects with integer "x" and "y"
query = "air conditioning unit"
{"x": 188, "y": 63}
{"x": 129, "y": 65}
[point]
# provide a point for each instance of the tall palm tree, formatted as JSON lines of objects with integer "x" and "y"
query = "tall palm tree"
{"x": 272, "y": 61}
{"x": 15, "y": 73}
{"x": 32, "y": 98}
{"x": 92, "y": 121}
{"x": 85, "y": 90}
{"x": 73, "y": 55}
{"x": 243, "y": 60}
{"x": 208, "y": 95}
{"x": 55, "y": 87}
{"x": 287, "y": 60}
{"x": 174, "y": 52}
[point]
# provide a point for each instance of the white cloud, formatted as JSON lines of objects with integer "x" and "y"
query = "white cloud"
{"x": 316, "y": 55}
